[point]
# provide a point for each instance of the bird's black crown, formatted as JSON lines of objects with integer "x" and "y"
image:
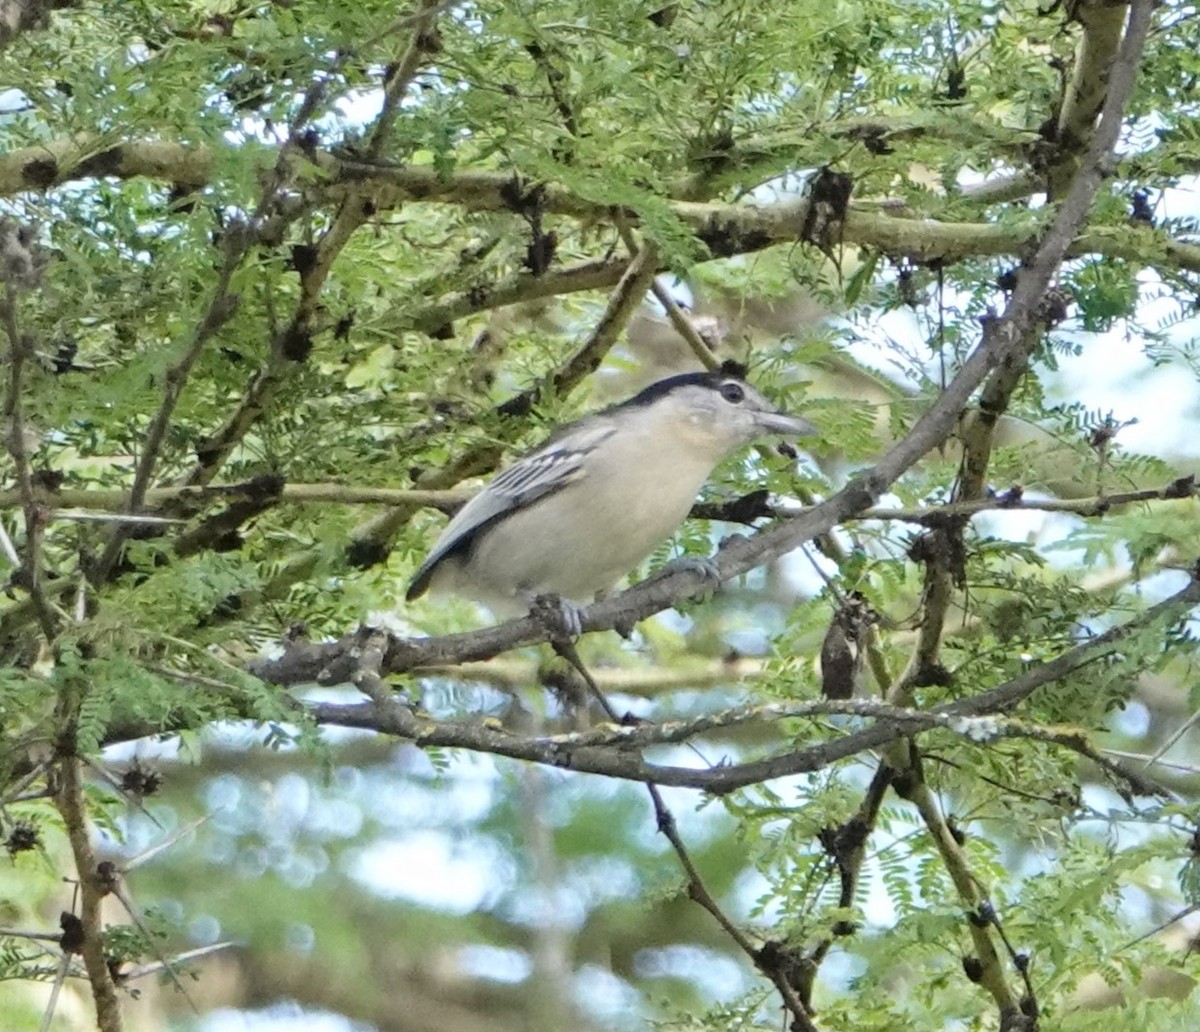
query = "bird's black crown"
{"x": 710, "y": 378}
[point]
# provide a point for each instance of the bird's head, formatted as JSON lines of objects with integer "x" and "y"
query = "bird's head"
{"x": 718, "y": 410}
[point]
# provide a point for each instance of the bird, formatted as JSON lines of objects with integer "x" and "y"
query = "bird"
{"x": 570, "y": 518}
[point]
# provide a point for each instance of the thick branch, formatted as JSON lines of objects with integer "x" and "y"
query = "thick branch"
{"x": 72, "y": 806}
{"x": 747, "y": 509}
{"x": 727, "y": 229}
{"x": 333, "y": 664}
{"x": 1102, "y": 22}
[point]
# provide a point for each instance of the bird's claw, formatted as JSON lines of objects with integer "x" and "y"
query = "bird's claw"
{"x": 703, "y": 566}
{"x": 563, "y": 620}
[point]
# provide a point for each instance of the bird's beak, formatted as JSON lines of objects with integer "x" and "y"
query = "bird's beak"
{"x": 783, "y": 423}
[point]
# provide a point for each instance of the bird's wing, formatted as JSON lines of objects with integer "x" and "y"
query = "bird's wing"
{"x": 548, "y": 469}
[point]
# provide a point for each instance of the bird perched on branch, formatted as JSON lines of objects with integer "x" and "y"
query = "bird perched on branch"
{"x": 571, "y": 518}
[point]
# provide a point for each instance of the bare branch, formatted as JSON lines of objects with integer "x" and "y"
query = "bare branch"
{"x": 683, "y": 325}
{"x": 73, "y": 807}
{"x": 726, "y": 229}
{"x": 422, "y": 41}
{"x": 625, "y": 300}
{"x": 747, "y": 509}
{"x": 1102, "y": 23}
{"x": 909, "y": 784}
{"x": 333, "y": 664}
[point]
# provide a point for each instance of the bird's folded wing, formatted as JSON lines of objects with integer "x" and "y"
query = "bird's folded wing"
{"x": 542, "y": 472}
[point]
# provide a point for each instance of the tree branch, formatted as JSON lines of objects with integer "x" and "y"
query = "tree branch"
{"x": 1102, "y": 23}
{"x": 334, "y": 664}
{"x": 746, "y": 509}
{"x": 422, "y": 41}
{"x": 19, "y": 351}
{"x": 220, "y": 310}
{"x": 290, "y": 347}
{"x": 727, "y": 229}
{"x": 73, "y": 808}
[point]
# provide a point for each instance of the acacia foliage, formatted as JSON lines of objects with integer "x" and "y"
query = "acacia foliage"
{"x": 309, "y": 249}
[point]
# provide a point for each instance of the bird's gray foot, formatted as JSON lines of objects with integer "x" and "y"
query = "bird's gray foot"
{"x": 703, "y": 566}
{"x": 563, "y": 620}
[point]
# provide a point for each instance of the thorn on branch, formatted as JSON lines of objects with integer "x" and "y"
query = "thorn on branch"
{"x": 40, "y": 173}
{"x": 303, "y": 258}
{"x": 342, "y": 328}
{"x": 933, "y": 675}
{"x": 942, "y": 547}
{"x": 429, "y": 40}
{"x": 539, "y": 255}
{"x": 779, "y": 961}
{"x": 906, "y": 782}
{"x": 522, "y": 200}
{"x": 296, "y": 343}
{"x": 983, "y": 915}
{"x": 665, "y": 821}
{"x": 365, "y": 553}
{"x": 842, "y": 842}
{"x": 108, "y": 878}
{"x": 746, "y": 510}
{"x": 1013, "y": 496}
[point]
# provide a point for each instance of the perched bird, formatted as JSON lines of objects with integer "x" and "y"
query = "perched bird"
{"x": 574, "y": 516}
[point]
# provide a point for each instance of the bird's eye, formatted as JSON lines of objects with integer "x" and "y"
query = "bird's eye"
{"x": 732, "y": 392}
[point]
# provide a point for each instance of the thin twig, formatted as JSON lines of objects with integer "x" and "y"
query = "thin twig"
{"x": 622, "y": 303}
{"x": 290, "y": 341}
{"x": 683, "y": 325}
{"x": 696, "y": 888}
{"x": 420, "y": 23}
{"x": 221, "y": 308}
{"x": 7, "y": 548}
{"x": 1156, "y": 761}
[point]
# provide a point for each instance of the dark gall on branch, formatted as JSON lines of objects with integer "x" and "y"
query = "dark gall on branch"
{"x": 842, "y": 649}
{"x": 22, "y": 837}
{"x": 828, "y": 198}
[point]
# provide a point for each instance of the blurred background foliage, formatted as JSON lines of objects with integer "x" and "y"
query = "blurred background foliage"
{"x": 377, "y": 331}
